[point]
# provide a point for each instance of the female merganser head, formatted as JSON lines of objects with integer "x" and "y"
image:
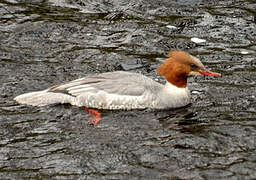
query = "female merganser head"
{"x": 125, "y": 90}
{"x": 179, "y": 66}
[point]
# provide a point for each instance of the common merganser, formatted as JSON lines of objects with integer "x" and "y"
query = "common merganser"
{"x": 126, "y": 90}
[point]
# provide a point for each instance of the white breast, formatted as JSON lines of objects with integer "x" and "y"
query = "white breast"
{"x": 172, "y": 97}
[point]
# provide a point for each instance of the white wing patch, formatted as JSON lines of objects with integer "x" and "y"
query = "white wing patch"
{"x": 77, "y": 90}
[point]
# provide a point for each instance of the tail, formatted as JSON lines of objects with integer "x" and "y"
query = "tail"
{"x": 43, "y": 98}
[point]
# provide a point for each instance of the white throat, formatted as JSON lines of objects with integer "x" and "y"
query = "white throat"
{"x": 175, "y": 96}
{"x": 174, "y": 89}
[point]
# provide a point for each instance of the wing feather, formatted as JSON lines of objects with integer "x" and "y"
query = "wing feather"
{"x": 119, "y": 83}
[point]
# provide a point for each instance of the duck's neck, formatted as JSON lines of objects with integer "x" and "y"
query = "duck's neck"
{"x": 178, "y": 81}
{"x": 172, "y": 87}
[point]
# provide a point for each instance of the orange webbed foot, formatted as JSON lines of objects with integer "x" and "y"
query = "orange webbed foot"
{"x": 94, "y": 116}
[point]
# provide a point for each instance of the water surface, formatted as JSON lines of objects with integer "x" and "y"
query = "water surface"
{"x": 48, "y": 42}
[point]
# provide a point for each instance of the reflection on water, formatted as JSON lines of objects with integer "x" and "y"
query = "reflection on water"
{"x": 49, "y": 42}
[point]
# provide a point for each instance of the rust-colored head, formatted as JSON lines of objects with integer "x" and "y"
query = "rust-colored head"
{"x": 179, "y": 66}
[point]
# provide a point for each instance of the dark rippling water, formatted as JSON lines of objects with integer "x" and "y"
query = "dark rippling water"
{"x": 43, "y": 43}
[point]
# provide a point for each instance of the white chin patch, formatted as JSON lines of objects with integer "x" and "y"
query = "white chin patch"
{"x": 194, "y": 73}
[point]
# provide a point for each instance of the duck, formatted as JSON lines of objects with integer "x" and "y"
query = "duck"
{"x": 124, "y": 90}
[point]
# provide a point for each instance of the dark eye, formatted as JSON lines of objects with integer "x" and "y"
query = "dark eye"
{"x": 192, "y": 66}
